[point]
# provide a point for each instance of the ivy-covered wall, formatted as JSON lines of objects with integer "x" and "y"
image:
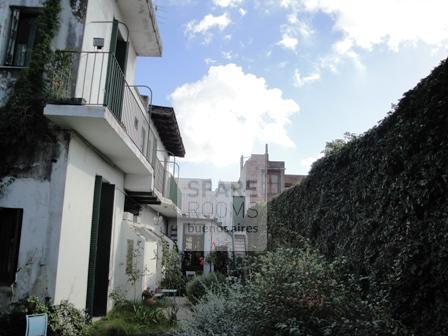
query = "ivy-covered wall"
{"x": 29, "y": 143}
{"x": 382, "y": 202}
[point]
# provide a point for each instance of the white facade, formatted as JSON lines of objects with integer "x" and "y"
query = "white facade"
{"x": 59, "y": 191}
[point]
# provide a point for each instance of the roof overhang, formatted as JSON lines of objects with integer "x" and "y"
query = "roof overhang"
{"x": 140, "y": 18}
{"x": 164, "y": 118}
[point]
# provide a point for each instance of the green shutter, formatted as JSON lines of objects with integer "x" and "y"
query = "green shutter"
{"x": 15, "y": 15}
{"x": 110, "y": 65}
{"x": 93, "y": 244}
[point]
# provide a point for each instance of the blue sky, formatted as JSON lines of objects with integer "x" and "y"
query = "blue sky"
{"x": 291, "y": 73}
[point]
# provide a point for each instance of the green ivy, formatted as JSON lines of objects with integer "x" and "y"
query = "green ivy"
{"x": 381, "y": 202}
{"x": 23, "y": 127}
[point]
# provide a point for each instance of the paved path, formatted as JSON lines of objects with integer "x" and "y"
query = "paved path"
{"x": 184, "y": 312}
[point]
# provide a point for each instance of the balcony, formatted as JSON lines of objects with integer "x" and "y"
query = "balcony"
{"x": 166, "y": 190}
{"x": 90, "y": 95}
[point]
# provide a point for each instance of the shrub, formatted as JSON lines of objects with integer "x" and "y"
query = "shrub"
{"x": 172, "y": 270}
{"x": 381, "y": 202}
{"x": 292, "y": 292}
{"x": 218, "y": 313}
{"x": 130, "y": 318}
{"x": 63, "y": 319}
{"x": 199, "y": 285}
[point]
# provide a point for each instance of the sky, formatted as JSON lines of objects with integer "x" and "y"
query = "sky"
{"x": 293, "y": 74}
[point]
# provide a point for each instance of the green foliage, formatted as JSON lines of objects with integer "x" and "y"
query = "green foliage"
{"x": 63, "y": 319}
{"x": 220, "y": 261}
{"x": 172, "y": 269}
{"x": 381, "y": 203}
{"x": 22, "y": 124}
{"x": 129, "y": 318}
{"x": 198, "y": 286}
{"x": 336, "y": 145}
{"x": 291, "y": 292}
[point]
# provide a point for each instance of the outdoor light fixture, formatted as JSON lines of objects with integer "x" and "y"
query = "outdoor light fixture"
{"x": 98, "y": 42}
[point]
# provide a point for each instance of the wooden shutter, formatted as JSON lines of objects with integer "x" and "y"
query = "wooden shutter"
{"x": 14, "y": 25}
{"x": 93, "y": 244}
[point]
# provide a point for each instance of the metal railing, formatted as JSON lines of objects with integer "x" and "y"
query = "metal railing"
{"x": 166, "y": 184}
{"x": 96, "y": 78}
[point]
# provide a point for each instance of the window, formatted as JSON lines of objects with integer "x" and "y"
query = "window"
{"x": 274, "y": 184}
{"x": 10, "y": 228}
{"x": 22, "y": 35}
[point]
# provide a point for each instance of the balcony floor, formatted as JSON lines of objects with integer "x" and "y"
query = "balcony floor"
{"x": 100, "y": 128}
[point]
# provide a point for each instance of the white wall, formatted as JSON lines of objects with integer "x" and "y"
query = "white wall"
{"x": 145, "y": 230}
{"x": 83, "y": 166}
{"x": 41, "y": 201}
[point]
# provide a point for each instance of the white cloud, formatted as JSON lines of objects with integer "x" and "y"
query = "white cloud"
{"x": 208, "y": 23}
{"x": 288, "y": 42}
{"x": 300, "y": 81}
{"x": 209, "y": 61}
{"x": 368, "y": 23}
{"x": 242, "y": 11}
{"x": 308, "y": 162}
{"x": 228, "y": 55}
{"x": 227, "y": 112}
{"x": 227, "y": 3}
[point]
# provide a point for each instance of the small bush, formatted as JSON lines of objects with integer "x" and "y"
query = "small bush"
{"x": 291, "y": 292}
{"x": 172, "y": 269}
{"x": 199, "y": 285}
{"x": 129, "y": 318}
{"x": 63, "y": 319}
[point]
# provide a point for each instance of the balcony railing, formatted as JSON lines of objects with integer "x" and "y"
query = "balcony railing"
{"x": 165, "y": 183}
{"x": 96, "y": 78}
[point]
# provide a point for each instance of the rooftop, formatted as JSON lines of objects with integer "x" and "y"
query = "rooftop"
{"x": 164, "y": 119}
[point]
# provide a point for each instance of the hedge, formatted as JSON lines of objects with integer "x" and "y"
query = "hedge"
{"x": 382, "y": 203}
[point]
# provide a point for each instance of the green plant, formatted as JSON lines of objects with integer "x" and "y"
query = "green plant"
{"x": 133, "y": 318}
{"x": 291, "y": 292}
{"x": 198, "y": 286}
{"x": 220, "y": 261}
{"x": 63, "y": 319}
{"x": 171, "y": 269}
{"x": 23, "y": 127}
{"x": 133, "y": 272}
{"x": 381, "y": 203}
{"x": 147, "y": 293}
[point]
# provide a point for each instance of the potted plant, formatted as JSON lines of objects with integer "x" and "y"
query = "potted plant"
{"x": 148, "y": 297}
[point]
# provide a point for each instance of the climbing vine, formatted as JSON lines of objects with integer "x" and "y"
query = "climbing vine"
{"x": 23, "y": 127}
{"x": 380, "y": 201}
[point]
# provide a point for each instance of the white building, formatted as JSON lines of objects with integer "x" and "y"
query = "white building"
{"x": 95, "y": 207}
{"x": 202, "y": 228}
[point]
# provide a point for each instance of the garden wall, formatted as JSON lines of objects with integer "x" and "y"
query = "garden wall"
{"x": 382, "y": 202}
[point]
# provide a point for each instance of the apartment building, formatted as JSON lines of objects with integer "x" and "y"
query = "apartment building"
{"x": 261, "y": 179}
{"x": 96, "y": 206}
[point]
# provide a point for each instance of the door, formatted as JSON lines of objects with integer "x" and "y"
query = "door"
{"x": 100, "y": 244}
{"x": 115, "y": 82}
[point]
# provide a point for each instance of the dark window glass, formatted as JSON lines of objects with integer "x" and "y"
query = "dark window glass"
{"x": 10, "y": 228}
{"x": 22, "y": 36}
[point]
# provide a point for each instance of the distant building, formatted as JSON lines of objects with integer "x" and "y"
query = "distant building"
{"x": 203, "y": 226}
{"x": 262, "y": 179}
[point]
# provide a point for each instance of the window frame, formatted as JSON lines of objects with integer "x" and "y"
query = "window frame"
{"x": 13, "y": 28}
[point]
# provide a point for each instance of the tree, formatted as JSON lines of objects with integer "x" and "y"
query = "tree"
{"x": 336, "y": 145}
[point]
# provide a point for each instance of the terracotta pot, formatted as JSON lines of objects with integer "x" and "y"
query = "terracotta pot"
{"x": 149, "y": 301}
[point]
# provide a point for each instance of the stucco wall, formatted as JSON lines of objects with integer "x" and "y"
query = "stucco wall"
{"x": 42, "y": 201}
{"x": 83, "y": 166}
